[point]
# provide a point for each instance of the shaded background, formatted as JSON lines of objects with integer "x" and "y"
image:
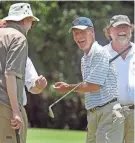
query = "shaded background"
{"x": 57, "y": 57}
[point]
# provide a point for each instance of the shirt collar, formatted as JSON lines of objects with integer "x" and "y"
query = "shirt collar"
{"x": 91, "y": 49}
{"x": 131, "y": 51}
{"x": 17, "y": 27}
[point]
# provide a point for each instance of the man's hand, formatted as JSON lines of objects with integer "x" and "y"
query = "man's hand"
{"x": 16, "y": 122}
{"x": 61, "y": 87}
{"x": 41, "y": 82}
{"x": 39, "y": 85}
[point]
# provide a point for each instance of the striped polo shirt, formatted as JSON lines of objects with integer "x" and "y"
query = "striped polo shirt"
{"x": 96, "y": 69}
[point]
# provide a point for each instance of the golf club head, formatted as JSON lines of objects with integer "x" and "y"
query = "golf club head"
{"x": 51, "y": 114}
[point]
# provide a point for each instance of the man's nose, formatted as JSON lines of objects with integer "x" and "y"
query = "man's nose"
{"x": 79, "y": 35}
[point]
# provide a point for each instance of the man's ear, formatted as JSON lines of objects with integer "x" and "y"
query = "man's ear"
{"x": 132, "y": 27}
{"x": 25, "y": 21}
{"x": 93, "y": 32}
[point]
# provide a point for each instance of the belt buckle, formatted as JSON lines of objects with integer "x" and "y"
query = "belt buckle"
{"x": 94, "y": 109}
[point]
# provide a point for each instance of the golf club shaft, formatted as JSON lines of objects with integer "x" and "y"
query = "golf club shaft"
{"x": 66, "y": 94}
{"x": 17, "y": 136}
{"x": 124, "y": 50}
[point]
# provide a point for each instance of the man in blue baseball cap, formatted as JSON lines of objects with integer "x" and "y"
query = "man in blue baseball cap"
{"x": 105, "y": 121}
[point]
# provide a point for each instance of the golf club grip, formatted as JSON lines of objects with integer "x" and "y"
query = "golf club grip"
{"x": 17, "y": 136}
{"x": 120, "y": 54}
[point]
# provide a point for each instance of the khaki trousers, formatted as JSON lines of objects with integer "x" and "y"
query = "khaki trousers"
{"x": 106, "y": 125}
{"x": 7, "y": 134}
{"x": 129, "y": 125}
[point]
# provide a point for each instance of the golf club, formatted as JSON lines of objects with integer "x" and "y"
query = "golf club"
{"x": 120, "y": 53}
{"x": 17, "y": 136}
{"x": 51, "y": 114}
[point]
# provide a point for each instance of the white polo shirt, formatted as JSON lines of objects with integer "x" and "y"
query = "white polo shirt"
{"x": 30, "y": 77}
{"x": 126, "y": 75}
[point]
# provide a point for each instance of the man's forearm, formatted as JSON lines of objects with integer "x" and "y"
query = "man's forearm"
{"x": 12, "y": 91}
{"x": 84, "y": 87}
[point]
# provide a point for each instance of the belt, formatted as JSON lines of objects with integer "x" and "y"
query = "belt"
{"x": 98, "y": 107}
{"x": 129, "y": 106}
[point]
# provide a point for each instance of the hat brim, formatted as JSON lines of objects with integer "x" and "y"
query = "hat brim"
{"x": 19, "y": 18}
{"x": 81, "y": 27}
{"x": 120, "y": 23}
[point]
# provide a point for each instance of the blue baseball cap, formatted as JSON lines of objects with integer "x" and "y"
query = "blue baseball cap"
{"x": 81, "y": 23}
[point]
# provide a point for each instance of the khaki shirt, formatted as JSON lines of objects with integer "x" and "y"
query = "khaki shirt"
{"x": 13, "y": 55}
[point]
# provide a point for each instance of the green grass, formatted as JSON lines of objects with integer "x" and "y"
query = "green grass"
{"x": 55, "y": 136}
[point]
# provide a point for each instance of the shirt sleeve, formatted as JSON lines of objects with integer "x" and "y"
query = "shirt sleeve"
{"x": 31, "y": 74}
{"x": 99, "y": 68}
{"x": 16, "y": 56}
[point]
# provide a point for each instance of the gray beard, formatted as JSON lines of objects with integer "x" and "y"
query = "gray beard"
{"x": 123, "y": 42}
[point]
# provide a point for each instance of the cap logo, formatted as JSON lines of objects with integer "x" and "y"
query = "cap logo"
{"x": 76, "y": 22}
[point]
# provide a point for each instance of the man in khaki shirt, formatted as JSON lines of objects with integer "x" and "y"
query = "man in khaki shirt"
{"x": 13, "y": 55}
{"x": 35, "y": 83}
